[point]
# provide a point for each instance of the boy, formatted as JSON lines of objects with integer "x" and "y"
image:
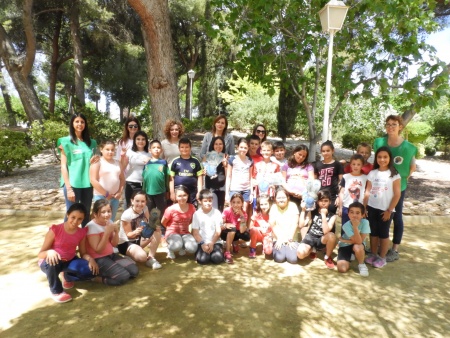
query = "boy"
{"x": 352, "y": 239}
{"x": 206, "y": 227}
{"x": 353, "y": 186}
{"x": 365, "y": 150}
{"x": 186, "y": 170}
{"x": 279, "y": 150}
{"x": 263, "y": 170}
{"x": 253, "y": 153}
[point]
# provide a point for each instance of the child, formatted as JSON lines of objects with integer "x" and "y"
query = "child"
{"x": 234, "y": 226}
{"x": 58, "y": 254}
{"x": 131, "y": 243}
{"x": 206, "y": 230}
{"x": 296, "y": 172}
{"x": 254, "y": 150}
{"x": 329, "y": 172}
{"x": 102, "y": 237}
{"x": 107, "y": 178}
{"x": 260, "y": 230}
{"x": 156, "y": 178}
{"x": 239, "y": 174}
{"x": 186, "y": 170}
{"x": 217, "y": 183}
{"x": 283, "y": 218}
{"x": 320, "y": 234}
{"x": 353, "y": 187}
{"x": 134, "y": 160}
{"x": 177, "y": 219}
{"x": 365, "y": 150}
{"x": 279, "y": 150}
{"x": 263, "y": 169}
{"x": 382, "y": 195}
{"x": 352, "y": 240}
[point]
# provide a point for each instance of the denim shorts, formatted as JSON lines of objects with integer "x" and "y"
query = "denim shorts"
{"x": 245, "y": 194}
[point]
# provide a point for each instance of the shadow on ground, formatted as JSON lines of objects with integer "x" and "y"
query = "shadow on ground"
{"x": 251, "y": 298}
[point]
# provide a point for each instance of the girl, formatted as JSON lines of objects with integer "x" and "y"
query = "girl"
{"x": 239, "y": 174}
{"x": 220, "y": 126}
{"x": 217, "y": 184}
{"x": 76, "y": 151}
{"x": 102, "y": 237}
{"x": 382, "y": 195}
{"x": 329, "y": 172}
{"x": 296, "y": 172}
{"x": 130, "y": 128}
{"x": 131, "y": 243}
{"x": 234, "y": 226}
{"x": 58, "y": 254}
{"x": 404, "y": 154}
{"x": 259, "y": 226}
{"x": 107, "y": 178}
{"x": 283, "y": 219}
{"x": 135, "y": 159}
{"x": 177, "y": 219}
{"x": 173, "y": 130}
{"x": 320, "y": 234}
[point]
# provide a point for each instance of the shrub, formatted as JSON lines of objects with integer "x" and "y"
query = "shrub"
{"x": 418, "y": 132}
{"x": 352, "y": 139}
{"x": 45, "y": 134}
{"x": 14, "y": 151}
{"x": 430, "y": 145}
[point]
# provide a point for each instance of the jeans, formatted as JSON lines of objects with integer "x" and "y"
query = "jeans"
{"x": 398, "y": 220}
{"x": 76, "y": 269}
{"x": 114, "y": 205}
{"x": 83, "y": 196}
{"x": 215, "y": 257}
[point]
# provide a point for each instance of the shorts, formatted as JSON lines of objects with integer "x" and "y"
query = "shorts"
{"x": 245, "y": 236}
{"x": 313, "y": 241}
{"x": 245, "y": 194}
{"x": 345, "y": 253}
{"x": 123, "y": 247}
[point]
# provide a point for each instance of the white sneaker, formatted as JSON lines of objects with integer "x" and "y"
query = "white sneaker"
{"x": 363, "y": 270}
{"x": 153, "y": 263}
{"x": 182, "y": 252}
{"x": 171, "y": 254}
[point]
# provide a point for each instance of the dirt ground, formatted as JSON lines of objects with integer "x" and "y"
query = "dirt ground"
{"x": 251, "y": 298}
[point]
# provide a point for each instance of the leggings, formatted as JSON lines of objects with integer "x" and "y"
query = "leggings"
{"x": 285, "y": 253}
{"x": 398, "y": 220}
{"x": 116, "y": 270}
{"x": 215, "y": 257}
{"x": 176, "y": 242}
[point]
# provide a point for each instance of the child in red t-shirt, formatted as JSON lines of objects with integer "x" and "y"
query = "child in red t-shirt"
{"x": 260, "y": 230}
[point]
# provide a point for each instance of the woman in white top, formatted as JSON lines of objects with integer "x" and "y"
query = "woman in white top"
{"x": 173, "y": 130}
{"x": 131, "y": 127}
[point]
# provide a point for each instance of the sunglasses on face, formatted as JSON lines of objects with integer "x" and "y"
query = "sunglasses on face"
{"x": 260, "y": 131}
{"x": 133, "y": 126}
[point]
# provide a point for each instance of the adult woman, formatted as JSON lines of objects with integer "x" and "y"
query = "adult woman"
{"x": 130, "y": 128}
{"x": 173, "y": 130}
{"x": 76, "y": 152}
{"x": 219, "y": 128}
{"x": 404, "y": 154}
{"x": 260, "y": 131}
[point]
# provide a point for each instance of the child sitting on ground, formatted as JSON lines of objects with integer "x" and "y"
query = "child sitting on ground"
{"x": 58, "y": 254}
{"x": 206, "y": 230}
{"x": 352, "y": 239}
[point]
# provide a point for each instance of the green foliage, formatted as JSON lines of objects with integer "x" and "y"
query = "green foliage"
{"x": 21, "y": 116}
{"x": 45, "y": 134}
{"x": 355, "y": 137}
{"x": 430, "y": 145}
{"x": 101, "y": 126}
{"x": 197, "y": 124}
{"x": 15, "y": 152}
{"x": 418, "y": 132}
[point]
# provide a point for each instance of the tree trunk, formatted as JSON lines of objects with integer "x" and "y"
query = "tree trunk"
{"x": 188, "y": 108}
{"x": 54, "y": 64}
{"x": 288, "y": 104}
{"x": 12, "y": 122}
{"x": 77, "y": 51}
{"x": 162, "y": 82}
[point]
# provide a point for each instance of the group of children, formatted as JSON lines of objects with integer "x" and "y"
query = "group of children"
{"x": 264, "y": 193}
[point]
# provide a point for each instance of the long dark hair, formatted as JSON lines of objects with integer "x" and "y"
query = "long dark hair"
{"x": 140, "y": 133}
{"x": 292, "y": 163}
{"x": 265, "y": 129}
{"x": 391, "y": 160}
{"x": 126, "y": 132}
{"x": 214, "y": 139}
{"x": 84, "y": 134}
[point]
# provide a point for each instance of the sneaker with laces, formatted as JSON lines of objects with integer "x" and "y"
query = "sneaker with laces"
{"x": 371, "y": 258}
{"x": 62, "y": 297}
{"x": 182, "y": 252}
{"x": 252, "y": 253}
{"x": 329, "y": 263}
{"x": 235, "y": 247}
{"x": 363, "y": 270}
{"x": 153, "y": 263}
{"x": 228, "y": 258}
{"x": 392, "y": 255}
{"x": 65, "y": 283}
{"x": 313, "y": 255}
{"x": 379, "y": 263}
{"x": 171, "y": 254}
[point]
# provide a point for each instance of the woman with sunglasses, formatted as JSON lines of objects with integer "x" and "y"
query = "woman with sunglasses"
{"x": 131, "y": 127}
{"x": 220, "y": 126}
{"x": 260, "y": 131}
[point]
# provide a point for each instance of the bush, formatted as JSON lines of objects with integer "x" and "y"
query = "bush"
{"x": 14, "y": 151}
{"x": 197, "y": 124}
{"x": 430, "y": 145}
{"x": 352, "y": 139}
{"x": 45, "y": 134}
{"x": 418, "y": 132}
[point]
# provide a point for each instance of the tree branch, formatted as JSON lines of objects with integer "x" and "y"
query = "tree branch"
{"x": 30, "y": 38}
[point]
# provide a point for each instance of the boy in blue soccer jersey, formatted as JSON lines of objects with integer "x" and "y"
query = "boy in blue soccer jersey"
{"x": 186, "y": 170}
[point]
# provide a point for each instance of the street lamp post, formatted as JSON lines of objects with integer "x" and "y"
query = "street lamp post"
{"x": 332, "y": 16}
{"x": 191, "y": 74}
